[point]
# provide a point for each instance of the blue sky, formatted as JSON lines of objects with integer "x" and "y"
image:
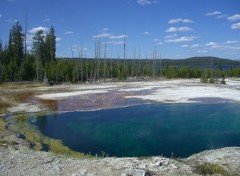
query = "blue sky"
{"x": 178, "y": 28}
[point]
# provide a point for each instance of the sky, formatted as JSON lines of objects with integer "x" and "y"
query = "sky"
{"x": 175, "y": 29}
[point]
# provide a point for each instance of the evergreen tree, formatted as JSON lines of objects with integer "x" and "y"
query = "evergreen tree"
{"x": 1, "y": 72}
{"x": 1, "y": 62}
{"x": 14, "y": 55}
{"x": 1, "y": 47}
{"x": 1, "y": 52}
{"x": 17, "y": 43}
{"x": 28, "y": 70}
{"x": 51, "y": 44}
{"x": 10, "y": 47}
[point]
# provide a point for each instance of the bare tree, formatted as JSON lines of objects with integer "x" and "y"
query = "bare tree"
{"x": 25, "y": 35}
{"x": 98, "y": 56}
{"x": 105, "y": 56}
{"x": 95, "y": 61}
{"x": 79, "y": 55}
{"x": 134, "y": 63}
{"x": 161, "y": 69}
{"x": 139, "y": 61}
{"x": 81, "y": 62}
{"x": 72, "y": 51}
{"x": 86, "y": 65}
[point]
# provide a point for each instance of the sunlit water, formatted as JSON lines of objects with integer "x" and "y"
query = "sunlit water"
{"x": 147, "y": 130}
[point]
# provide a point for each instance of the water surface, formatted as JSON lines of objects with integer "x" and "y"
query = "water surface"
{"x": 147, "y": 130}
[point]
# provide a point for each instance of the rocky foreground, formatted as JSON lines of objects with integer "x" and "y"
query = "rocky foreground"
{"x": 17, "y": 159}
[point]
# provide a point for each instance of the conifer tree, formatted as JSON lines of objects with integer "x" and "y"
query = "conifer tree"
{"x": 17, "y": 43}
{"x": 50, "y": 44}
{"x": 1, "y": 52}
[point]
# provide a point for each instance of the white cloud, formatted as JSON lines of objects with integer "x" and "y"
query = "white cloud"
{"x": 85, "y": 49}
{"x": 46, "y": 20}
{"x": 234, "y": 17}
{"x": 217, "y": 46}
{"x": 234, "y": 47}
{"x": 34, "y": 30}
{"x": 211, "y": 44}
{"x": 58, "y": 39}
{"x": 214, "y": 45}
{"x": 177, "y": 20}
{"x": 118, "y": 36}
{"x": 187, "y": 21}
{"x": 105, "y": 29}
{"x": 77, "y": 48}
{"x": 147, "y": 2}
{"x": 221, "y": 16}
{"x": 146, "y": 33}
{"x": 226, "y": 47}
{"x": 191, "y": 46}
{"x": 181, "y": 39}
{"x": 116, "y": 42}
{"x": 172, "y": 21}
{"x": 68, "y": 32}
{"x": 195, "y": 46}
{"x": 29, "y": 48}
{"x": 30, "y": 38}
{"x": 180, "y": 29}
{"x": 232, "y": 42}
{"x": 171, "y": 36}
{"x": 102, "y": 35}
{"x": 202, "y": 51}
{"x": 0, "y": 15}
{"x": 213, "y": 13}
{"x": 158, "y": 42}
{"x": 236, "y": 26}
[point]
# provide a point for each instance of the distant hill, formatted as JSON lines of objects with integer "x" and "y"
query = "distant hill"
{"x": 188, "y": 61}
{"x": 200, "y": 61}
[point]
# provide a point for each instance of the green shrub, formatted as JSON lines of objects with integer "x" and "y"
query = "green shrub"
{"x": 208, "y": 168}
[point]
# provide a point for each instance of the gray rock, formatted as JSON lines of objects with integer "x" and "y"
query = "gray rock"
{"x": 29, "y": 162}
{"x": 135, "y": 172}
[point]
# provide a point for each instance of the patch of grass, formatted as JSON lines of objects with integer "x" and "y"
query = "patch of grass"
{"x": 2, "y": 125}
{"x": 20, "y": 117}
{"x": 6, "y": 143}
{"x": 20, "y": 124}
{"x": 209, "y": 168}
{"x": 17, "y": 85}
{"x": 56, "y": 146}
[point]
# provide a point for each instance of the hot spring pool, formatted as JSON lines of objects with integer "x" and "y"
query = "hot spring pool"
{"x": 146, "y": 130}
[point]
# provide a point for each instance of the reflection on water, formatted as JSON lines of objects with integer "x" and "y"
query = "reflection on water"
{"x": 147, "y": 130}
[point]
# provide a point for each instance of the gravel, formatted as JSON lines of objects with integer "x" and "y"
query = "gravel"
{"x": 17, "y": 159}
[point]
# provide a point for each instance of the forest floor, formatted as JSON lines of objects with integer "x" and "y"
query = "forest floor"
{"x": 85, "y": 97}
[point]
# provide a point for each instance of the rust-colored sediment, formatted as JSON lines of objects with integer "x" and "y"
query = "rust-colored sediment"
{"x": 111, "y": 99}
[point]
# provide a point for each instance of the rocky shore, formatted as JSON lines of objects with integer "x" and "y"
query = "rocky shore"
{"x": 18, "y": 159}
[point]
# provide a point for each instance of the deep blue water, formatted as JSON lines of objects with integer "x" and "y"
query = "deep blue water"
{"x": 147, "y": 130}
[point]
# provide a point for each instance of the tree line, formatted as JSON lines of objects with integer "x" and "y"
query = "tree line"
{"x": 16, "y": 64}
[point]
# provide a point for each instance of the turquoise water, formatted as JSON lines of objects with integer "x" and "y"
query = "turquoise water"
{"x": 147, "y": 130}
